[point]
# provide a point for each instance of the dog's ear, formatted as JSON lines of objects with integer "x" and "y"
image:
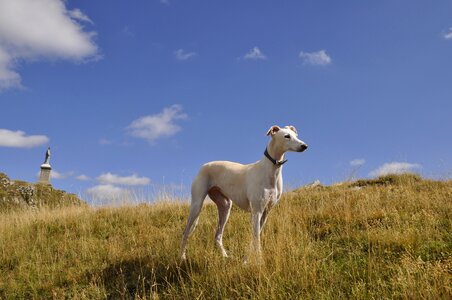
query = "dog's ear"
{"x": 293, "y": 128}
{"x": 274, "y": 129}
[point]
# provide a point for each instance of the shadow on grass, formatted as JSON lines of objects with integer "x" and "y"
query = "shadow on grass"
{"x": 143, "y": 277}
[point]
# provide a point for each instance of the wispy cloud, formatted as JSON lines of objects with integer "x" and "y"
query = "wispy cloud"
{"x": 318, "y": 58}
{"x": 107, "y": 192}
{"x": 255, "y": 54}
{"x": 448, "y": 34}
{"x": 77, "y": 14}
{"x": 127, "y": 31}
{"x": 357, "y": 162}
{"x": 109, "y": 178}
{"x": 157, "y": 126}
{"x": 104, "y": 141}
{"x": 82, "y": 177}
{"x": 395, "y": 168}
{"x": 40, "y": 29}
{"x": 165, "y": 2}
{"x": 57, "y": 175}
{"x": 181, "y": 54}
{"x": 8, "y": 77}
{"x": 18, "y": 139}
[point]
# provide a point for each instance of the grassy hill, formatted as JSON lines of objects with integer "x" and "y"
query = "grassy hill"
{"x": 383, "y": 238}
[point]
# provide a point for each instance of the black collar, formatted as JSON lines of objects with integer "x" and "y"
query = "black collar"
{"x": 274, "y": 161}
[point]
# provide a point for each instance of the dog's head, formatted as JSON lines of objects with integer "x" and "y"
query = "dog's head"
{"x": 287, "y": 138}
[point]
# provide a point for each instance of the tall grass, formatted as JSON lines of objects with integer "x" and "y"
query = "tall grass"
{"x": 387, "y": 238}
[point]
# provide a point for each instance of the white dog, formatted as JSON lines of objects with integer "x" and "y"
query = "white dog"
{"x": 255, "y": 187}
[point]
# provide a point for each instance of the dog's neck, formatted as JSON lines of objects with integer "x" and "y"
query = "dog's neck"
{"x": 276, "y": 153}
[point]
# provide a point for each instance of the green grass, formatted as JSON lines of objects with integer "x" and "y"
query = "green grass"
{"x": 366, "y": 240}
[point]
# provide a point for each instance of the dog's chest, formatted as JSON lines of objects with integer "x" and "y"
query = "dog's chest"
{"x": 271, "y": 188}
{"x": 270, "y": 195}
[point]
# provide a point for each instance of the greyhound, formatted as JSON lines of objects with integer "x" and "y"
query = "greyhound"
{"x": 255, "y": 187}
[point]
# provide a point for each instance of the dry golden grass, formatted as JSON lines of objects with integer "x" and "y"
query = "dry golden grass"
{"x": 368, "y": 240}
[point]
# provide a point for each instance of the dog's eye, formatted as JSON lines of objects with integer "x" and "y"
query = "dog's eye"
{"x": 287, "y": 136}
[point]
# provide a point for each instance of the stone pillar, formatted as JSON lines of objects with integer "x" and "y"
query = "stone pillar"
{"x": 44, "y": 176}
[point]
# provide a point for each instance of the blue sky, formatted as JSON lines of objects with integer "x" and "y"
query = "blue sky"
{"x": 132, "y": 94}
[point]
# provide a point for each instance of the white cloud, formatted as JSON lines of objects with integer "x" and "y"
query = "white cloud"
{"x": 82, "y": 177}
{"x": 255, "y": 54}
{"x": 165, "y": 2}
{"x": 160, "y": 125}
{"x": 448, "y": 34}
{"x": 109, "y": 178}
{"x": 37, "y": 29}
{"x": 19, "y": 139}
{"x": 108, "y": 188}
{"x": 394, "y": 168}
{"x": 182, "y": 55}
{"x": 357, "y": 162}
{"x": 320, "y": 58}
{"x": 107, "y": 192}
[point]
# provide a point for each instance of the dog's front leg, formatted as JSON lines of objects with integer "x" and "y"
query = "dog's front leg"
{"x": 256, "y": 224}
{"x": 255, "y": 246}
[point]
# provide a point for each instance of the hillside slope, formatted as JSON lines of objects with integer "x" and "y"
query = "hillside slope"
{"x": 384, "y": 238}
{"x": 16, "y": 194}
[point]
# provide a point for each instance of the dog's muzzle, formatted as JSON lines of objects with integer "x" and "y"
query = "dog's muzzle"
{"x": 302, "y": 148}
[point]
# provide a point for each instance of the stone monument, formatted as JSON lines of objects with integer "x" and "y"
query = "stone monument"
{"x": 44, "y": 176}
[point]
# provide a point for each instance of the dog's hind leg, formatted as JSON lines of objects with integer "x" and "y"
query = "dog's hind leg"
{"x": 224, "y": 208}
{"x": 198, "y": 194}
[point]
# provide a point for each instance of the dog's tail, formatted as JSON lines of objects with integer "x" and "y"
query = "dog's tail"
{"x": 199, "y": 190}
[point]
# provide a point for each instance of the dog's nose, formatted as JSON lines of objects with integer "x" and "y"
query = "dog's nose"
{"x": 303, "y": 147}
